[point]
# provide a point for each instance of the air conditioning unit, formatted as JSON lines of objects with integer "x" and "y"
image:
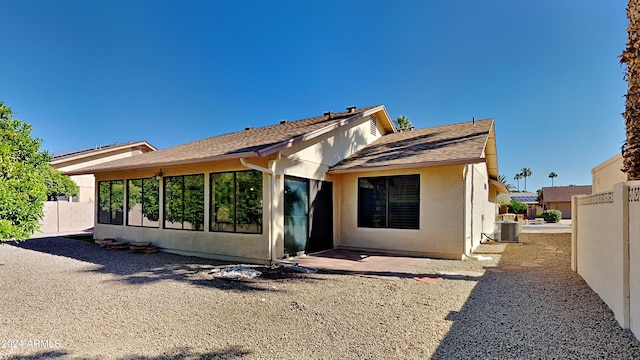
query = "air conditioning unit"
{"x": 506, "y": 231}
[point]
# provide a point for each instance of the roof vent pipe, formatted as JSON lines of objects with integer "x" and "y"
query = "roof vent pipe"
{"x": 284, "y": 121}
{"x": 351, "y": 109}
{"x": 473, "y": 120}
{"x": 249, "y": 128}
{"x": 328, "y": 114}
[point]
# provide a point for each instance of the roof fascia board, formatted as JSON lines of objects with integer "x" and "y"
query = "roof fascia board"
{"x": 100, "y": 151}
{"x": 250, "y": 154}
{"x": 410, "y": 166}
{"x": 315, "y": 133}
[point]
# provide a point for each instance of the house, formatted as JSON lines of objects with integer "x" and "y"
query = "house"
{"x": 338, "y": 180}
{"x": 531, "y": 200}
{"x": 607, "y": 174}
{"x": 559, "y": 197}
{"x": 72, "y": 160}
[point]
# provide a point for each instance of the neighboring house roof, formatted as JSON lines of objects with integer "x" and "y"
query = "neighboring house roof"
{"x": 525, "y": 197}
{"x": 563, "y": 193}
{"x": 251, "y": 142}
{"x": 462, "y": 143}
{"x": 68, "y": 156}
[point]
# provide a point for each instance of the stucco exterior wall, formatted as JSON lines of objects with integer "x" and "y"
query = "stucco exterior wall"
{"x": 219, "y": 245}
{"x": 607, "y": 174}
{"x": 63, "y": 216}
{"x": 483, "y": 210}
{"x": 600, "y": 248}
{"x": 86, "y": 187}
{"x": 634, "y": 258}
{"x": 564, "y": 207}
{"x": 312, "y": 159}
{"x": 441, "y": 224}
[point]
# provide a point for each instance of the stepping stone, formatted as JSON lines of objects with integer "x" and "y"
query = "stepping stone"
{"x": 427, "y": 279}
{"x": 512, "y": 267}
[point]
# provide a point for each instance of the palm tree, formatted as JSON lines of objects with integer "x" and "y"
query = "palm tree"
{"x": 552, "y": 175}
{"x": 631, "y": 115}
{"x": 526, "y": 172}
{"x": 517, "y": 178}
{"x": 403, "y": 123}
{"x": 503, "y": 180}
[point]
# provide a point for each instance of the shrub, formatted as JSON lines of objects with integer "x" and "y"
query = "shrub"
{"x": 552, "y": 216}
{"x": 516, "y": 207}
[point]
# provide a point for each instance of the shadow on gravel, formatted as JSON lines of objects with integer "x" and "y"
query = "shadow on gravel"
{"x": 138, "y": 269}
{"x": 231, "y": 352}
{"x": 531, "y": 305}
{"x": 40, "y": 355}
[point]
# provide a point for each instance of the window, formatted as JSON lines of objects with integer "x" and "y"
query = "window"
{"x": 143, "y": 202}
{"x": 236, "y": 202}
{"x": 184, "y": 202}
{"x": 389, "y": 202}
{"x": 110, "y": 202}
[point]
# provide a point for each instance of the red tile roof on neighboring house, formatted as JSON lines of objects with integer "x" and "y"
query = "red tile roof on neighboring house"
{"x": 251, "y": 142}
{"x": 563, "y": 193}
{"x": 439, "y": 145}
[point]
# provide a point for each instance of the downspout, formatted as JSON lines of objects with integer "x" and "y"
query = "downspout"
{"x": 272, "y": 182}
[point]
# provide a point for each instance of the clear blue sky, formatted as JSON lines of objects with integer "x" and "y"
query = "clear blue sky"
{"x": 169, "y": 72}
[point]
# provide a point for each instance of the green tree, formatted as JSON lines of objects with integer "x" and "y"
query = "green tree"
{"x": 23, "y": 167}
{"x": 526, "y": 172}
{"x": 552, "y": 175}
{"x": 402, "y": 123}
{"x": 631, "y": 58}
{"x": 59, "y": 184}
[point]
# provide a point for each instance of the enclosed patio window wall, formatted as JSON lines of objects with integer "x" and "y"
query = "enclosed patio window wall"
{"x": 110, "y": 202}
{"x": 389, "y": 202}
{"x": 184, "y": 202}
{"x": 143, "y": 197}
{"x": 236, "y": 202}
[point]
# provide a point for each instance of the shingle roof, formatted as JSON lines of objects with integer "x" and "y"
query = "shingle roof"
{"x": 455, "y": 143}
{"x": 246, "y": 143}
{"x": 563, "y": 193}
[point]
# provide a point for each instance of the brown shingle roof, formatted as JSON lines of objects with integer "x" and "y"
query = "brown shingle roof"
{"x": 246, "y": 143}
{"x": 455, "y": 143}
{"x": 563, "y": 193}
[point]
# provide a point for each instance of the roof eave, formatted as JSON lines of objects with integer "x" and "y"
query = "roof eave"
{"x": 250, "y": 154}
{"x": 475, "y": 160}
{"x": 73, "y": 157}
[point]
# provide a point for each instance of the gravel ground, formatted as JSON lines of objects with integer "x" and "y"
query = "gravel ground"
{"x": 66, "y": 298}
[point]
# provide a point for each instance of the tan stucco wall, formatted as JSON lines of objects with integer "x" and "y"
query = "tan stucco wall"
{"x": 605, "y": 175}
{"x": 600, "y": 246}
{"x": 64, "y": 216}
{"x": 441, "y": 230}
{"x": 86, "y": 187}
{"x": 564, "y": 207}
{"x": 312, "y": 159}
{"x": 219, "y": 245}
{"x": 482, "y": 207}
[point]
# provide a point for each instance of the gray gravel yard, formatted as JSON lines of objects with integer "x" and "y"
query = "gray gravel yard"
{"x": 64, "y": 298}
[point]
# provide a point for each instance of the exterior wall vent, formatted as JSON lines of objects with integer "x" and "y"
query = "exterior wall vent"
{"x": 373, "y": 126}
